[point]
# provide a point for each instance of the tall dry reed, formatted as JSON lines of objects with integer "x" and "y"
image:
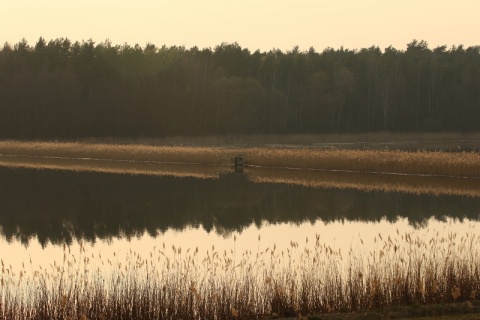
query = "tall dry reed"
{"x": 303, "y": 279}
{"x": 464, "y": 164}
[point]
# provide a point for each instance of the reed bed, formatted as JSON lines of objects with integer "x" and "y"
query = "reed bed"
{"x": 302, "y": 279}
{"x": 85, "y": 151}
{"x": 198, "y": 171}
{"x": 462, "y": 164}
{"x": 368, "y": 182}
{"x": 465, "y": 164}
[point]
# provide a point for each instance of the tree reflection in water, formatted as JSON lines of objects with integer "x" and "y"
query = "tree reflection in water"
{"x": 59, "y": 206}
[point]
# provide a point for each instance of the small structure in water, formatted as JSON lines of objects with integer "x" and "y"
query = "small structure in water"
{"x": 238, "y": 164}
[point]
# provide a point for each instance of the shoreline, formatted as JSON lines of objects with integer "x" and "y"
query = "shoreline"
{"x": 419, "y": 172}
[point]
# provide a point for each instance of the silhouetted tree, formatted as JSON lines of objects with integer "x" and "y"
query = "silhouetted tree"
{"x": 59, "y": 89}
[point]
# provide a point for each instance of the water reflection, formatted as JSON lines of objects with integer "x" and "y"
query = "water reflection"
{"x": 283, "y": 269}
{"x": 60, "y": 206}
{"x": 189, "y": 243}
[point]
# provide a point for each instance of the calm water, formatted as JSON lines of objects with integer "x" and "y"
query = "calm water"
{"x": 111, "y": 214}
{"x": 187, "y": 245}
{"x": 44, "y": 211}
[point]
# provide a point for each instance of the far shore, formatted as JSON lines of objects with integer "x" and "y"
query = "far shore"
{"x": 311, "y": 164}
{"x": 436, "y": 141}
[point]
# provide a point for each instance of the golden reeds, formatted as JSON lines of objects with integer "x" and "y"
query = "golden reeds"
{"x": 117, "y": 167}
{"x": 368, "y": 182}
{"x": 465, "y": 164}
{"x": 302, "y": 279}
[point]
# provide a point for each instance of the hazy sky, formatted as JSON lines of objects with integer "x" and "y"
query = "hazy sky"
{"x": 255, "y": 24}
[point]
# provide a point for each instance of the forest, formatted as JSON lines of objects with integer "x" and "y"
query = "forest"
{"x": 67, "y": 90}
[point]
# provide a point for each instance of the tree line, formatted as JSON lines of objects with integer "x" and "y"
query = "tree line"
{"x": 64, "y": 89}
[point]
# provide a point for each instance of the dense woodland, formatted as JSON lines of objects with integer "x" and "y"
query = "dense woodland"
{"x": 62, "y": 89}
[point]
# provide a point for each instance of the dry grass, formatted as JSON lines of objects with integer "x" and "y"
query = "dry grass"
{"x": 309, "y": 278}
{"x": 465, "y": 164}
{"x": 117, "y": 167}
{"x": 418, "y": 172}
{"x": 85, "y": 151}
{"x": 368, "y": 182}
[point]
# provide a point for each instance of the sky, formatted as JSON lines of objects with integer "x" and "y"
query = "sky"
{"x": 253, "y": 24}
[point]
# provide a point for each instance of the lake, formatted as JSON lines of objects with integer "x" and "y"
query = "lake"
{"x": 267, "y": 230}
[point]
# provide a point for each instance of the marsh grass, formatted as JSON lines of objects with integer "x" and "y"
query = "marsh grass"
{"x": 367, "y": 182}
{"x": 419, "y": 172}
{"x": 117, "y": 167}
{"x": 465, "y": 164}
{"x": 302, "y": 279}
{"x": 461, "y": 164}
{"x": 85, "y": 151}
